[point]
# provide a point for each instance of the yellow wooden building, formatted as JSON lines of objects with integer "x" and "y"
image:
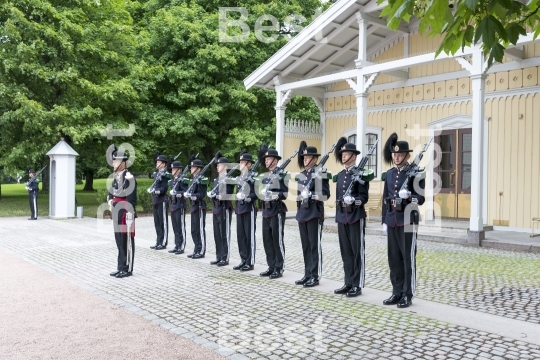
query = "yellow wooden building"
{"x": 366, "y": 79}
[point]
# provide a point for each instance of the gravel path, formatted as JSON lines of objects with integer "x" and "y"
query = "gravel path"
{"x": 46, "y": 317}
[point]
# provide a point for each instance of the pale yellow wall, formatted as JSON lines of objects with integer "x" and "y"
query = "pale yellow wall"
{"x": 442, "y": 89}
{"x": 514, "y": 159}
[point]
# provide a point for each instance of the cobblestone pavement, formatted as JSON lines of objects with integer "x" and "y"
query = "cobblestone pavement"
{"x": 250, "y": 317}
{"x": 498, "y": 282}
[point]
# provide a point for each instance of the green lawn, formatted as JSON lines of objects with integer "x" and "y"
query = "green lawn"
{"x": 14, "y": 200}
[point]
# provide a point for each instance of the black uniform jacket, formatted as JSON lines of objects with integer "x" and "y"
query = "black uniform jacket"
{"x": 244, "y": 206}
{"x": 199, "y": 191}
{"x": 316, "y": 207}
{"x": 349, "y": 214}
{"x": 34, "y": 188}
{"x": 124, "y": 188}
{"x": 180, "y": 187}
{"x": 394, "y": 181}
{"x": 226, "y": 191}
{"x": 162, "y": 184}
{"x": 279, "y": 186}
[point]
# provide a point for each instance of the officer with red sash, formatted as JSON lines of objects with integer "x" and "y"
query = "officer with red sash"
{"x": 122, "y": 200}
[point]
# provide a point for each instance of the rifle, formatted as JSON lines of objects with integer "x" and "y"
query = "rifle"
{"x": 358, "y": 171}
{"x": 317, "y": 171}
{"x": 278, "y": 171}
{"x": 222, "y": 181}
{"x": 413, "y": 169}
{"x": 250, "y": 176}
{"x": 159, "y": 175}
{"x": 180, "y": 178}
{"x": 34, "y": 178}
{"x": 197, "y": 179}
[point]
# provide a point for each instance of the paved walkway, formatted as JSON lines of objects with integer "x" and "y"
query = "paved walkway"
{"x": 471, "y": 303}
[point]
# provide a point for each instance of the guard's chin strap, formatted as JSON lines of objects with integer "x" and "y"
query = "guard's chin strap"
{"x": 402, "y": 161}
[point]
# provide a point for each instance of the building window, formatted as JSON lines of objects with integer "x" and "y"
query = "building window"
{"x": 370, "y": 140}
{"x": 372, "y": 163}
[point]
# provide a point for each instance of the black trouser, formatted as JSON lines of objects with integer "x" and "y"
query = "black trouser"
{"x": 402, "y": 260}
{"x": 310, "y": 235}
{"x": 122, "y": 243}
{"x": 32, "y": 200}
{"x": 273, "y": 231}
{"x": 352, "y": 247}
{"x": 161, "y": 223}
{"x": 198, "y": 231}
{"x": 178, "y": 219}
{"x": 222, "y": 234}
{"x": 245, "y": 231}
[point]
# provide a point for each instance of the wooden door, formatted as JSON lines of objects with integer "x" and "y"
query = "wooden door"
{"x": 454, "y": 170}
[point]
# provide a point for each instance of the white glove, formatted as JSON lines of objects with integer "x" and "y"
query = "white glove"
{"x": 240, "y": 196}
{"x": 248, "y": 199}
{"x": 275, "y": 197}
{"x": 179, "y": 195}
{"x": 173, "y": 193}
{"x": 385, "y": 228}
{"x": 404, "y": 194}
{"x": 348, "y": 200}
{"x": 315, "y": 197}
{"x": 266, "y": 193}
{"x": 157, "y": 192}
{"x": 211, "y": 194}
{"x": 193, "y": 198}
{"x": 187, "y": 194}
{"x": 219, "y": 197}
{"x": 305, "y": 194}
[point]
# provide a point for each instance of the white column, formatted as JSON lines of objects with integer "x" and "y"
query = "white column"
{"x": 361, "y": 118}
{"x": 477, "y": 165}
{"x": 280, "y": 128}
{"x": 322, "y": 116}
{"x": 361, "y": 93}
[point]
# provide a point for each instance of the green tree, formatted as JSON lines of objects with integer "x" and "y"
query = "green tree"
{"x": 497, "y": 23}
{"x": 199, "y": 101}
{"x": 65, "y": 69}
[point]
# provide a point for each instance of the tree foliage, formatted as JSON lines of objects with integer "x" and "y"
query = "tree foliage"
{"x": 496, "y": 23}
{"x": 73, "y": 67}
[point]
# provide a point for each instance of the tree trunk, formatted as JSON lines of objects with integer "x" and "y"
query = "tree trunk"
{"x": 45, "y": 175}
{"x": 89, "y": 184}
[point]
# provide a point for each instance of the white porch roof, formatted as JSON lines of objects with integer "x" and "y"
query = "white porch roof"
{"x": 328, "y": 44}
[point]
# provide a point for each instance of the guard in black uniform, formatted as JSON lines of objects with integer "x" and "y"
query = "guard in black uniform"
{"x": 122, "y": 201}
{"x": 161, "y": 205}
{"x": 33, "y": 191}
{"x": 222, "y": 212}
{"x": 401, "y": 243}
{"x": 310, "y": 214}
{"x": 198, "y": 210}
{"x": 178, "y": 186}
{"x": 246, "y": 213}
{"x": 351, "y": 220}
{"x": 273, "y": 211}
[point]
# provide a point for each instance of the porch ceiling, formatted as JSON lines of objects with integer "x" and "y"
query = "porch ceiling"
{"x": 328, "y": 44}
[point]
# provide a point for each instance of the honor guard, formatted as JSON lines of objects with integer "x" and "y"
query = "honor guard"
{"x": 246, "y": 212}
{"x": 275, "y": 189}
{"x": 196, "y": 194}
{"x": 160, "y": 203}
{"x": 222, "y": 212}
{"x": 122, "y": 200}
{"x": 33, "y": 190}
{"x": 351, "y": 196}
{"x": 400, "y": 210}
{"x": 178, "y": 186}
{"x": 310, "y": 215}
